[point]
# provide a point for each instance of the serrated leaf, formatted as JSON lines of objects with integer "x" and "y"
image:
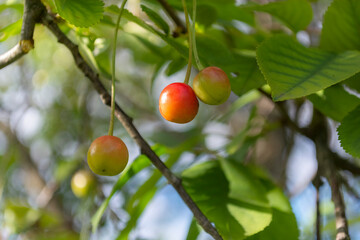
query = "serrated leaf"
{"x": 295, "y": 14}
{"x": 334, "y": 102}
{"x": 237, "y": 205}
{"x": 294, "y": 71}
{"x": 341, "y": 26}
{"x": 81, "y": 13}
{"x": 159, "y": 21}
{"x": 349, "y": 132}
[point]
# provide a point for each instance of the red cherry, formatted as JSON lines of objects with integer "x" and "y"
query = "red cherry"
{"x": 107, "y": 155}
{"x": 178, "y": 103}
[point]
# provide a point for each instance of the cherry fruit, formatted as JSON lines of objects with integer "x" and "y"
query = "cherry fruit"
{"x": 82, "y": 183}
{"x": 107, "y": 156}
{"x": 178, "y": 103}
{"x": 212, "y": 86}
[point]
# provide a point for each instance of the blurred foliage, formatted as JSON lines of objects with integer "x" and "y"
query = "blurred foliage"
{"x": 233, "y": 158}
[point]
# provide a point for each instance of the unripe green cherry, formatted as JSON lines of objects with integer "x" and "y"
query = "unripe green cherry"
{"x": 212, "y": 86}
{"x": 82, "y": 183}
{"x": 107, "y": 156}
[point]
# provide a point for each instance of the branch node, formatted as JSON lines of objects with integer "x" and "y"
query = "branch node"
{"x": 27, "y": 45}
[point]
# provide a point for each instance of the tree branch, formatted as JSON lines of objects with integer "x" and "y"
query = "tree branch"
{"x": 126, "y": 121}
{"x": 328, "y": 169}
{"x": 33, "y": 10}
{"x": 345, "y": 164}
{"x": 327, "y": 163}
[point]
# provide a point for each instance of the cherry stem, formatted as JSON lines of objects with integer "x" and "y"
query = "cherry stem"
{"x": 111, "y": 127}
{"x": 193, "y": 33}
{"x": 188, "y": 70}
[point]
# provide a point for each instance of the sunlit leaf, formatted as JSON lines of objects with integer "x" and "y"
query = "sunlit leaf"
{"x": 230, "y": 196}
{"x": 293, "y": 71}
{"x": 10, "y": 30}
{"x": 283, "y": 224}
{"x": 81, "y": 13}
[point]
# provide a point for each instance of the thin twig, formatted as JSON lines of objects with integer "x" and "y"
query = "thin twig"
{"x": 188, "y": 69}
{"x": 33, "y": 10}
{"x": 131, "y": 129}
{"x": 317, "y": 183}
{"x": 280, "y": 106}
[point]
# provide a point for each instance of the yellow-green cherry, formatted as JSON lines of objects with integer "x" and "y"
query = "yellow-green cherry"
{"x": 107, "y": 156}
{"x": 212, "y": 86}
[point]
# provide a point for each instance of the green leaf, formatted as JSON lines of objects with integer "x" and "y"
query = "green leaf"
{"x": 353, "y": 82}
{"x": 175, "y": 65}
{"x": 226, "y": 10}
{"x": 142, "y": 197}
{"x": 349, "y": 132}
{"x": 172, "y": 42}
{"x": 156, "y": 50}
{"x": 194, "y": 230}
{"x": 206, "y": 15}
{"x": 230, "y": 196}
{"x": 293, "y": 71}
{"x": 295, "y": 14}
{"x": 81, "y": 13}
{"x": 138, "y": 202}
{"x": 213, "y": 52}
{"x": 283, "y": 224}
{"x": 248, "y": 76}
{"x": 159, "y": 21}
{"x": 10, "y": 30}
{"x": 16, "y": 6}
{"x": 334, "y": 102}
{"x": 341, "y": 26}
